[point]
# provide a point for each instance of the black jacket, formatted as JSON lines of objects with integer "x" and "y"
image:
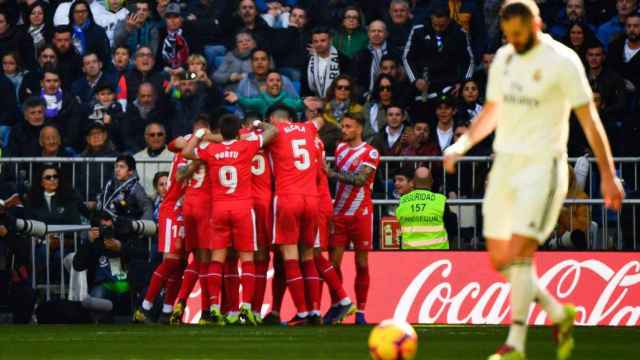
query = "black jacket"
{"x": 64, "y": 209}
{"x": 290, "y": 49}
{"x": 70, "y": 68}
{"x": 84, "y": 92}
{"x": 361, "y": 67}
{"x": 24, "y": 140}
{"x": 16, "y": 39}
{"x": 8, "y": 102}
{"x": 185, "y": 110}
{"x": 96, "y": 40}
{"x": 133, "y": 125}
{"x": 94, "y": 112}
{"x": 611, "y": 87}
{"x": 70, "y": 122}
{"x": 97, "y": 173}
{"x": 262, "y": 33}
{"x": 448, "y": 60}
{"x": 132, "y": 80}
{"x": 628, "y": 70}
{"x": 398, "y": 35}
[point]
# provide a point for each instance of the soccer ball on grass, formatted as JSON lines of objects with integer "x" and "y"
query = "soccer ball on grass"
{"x": 393, "y": 340}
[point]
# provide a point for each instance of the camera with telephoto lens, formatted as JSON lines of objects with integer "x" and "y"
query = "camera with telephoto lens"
{"x": 27, "y": 227}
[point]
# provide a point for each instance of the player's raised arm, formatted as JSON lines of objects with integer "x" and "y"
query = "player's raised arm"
{"x": 611, "y": 187}
{"x": 269, "y": 132}
{"x": 189, "y": 150}
{"x": 483, "y": 125}
{"x": 186, "y": 171}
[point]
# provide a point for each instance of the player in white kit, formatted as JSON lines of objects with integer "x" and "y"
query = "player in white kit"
{"x": 534, "y": 83}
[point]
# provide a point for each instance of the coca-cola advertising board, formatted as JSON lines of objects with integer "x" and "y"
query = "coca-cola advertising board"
{"x": 461, "y": 288}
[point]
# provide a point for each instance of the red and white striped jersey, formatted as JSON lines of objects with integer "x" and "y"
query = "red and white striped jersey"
{"x": 175, "y": 189}
{"x": 351, "y": 199}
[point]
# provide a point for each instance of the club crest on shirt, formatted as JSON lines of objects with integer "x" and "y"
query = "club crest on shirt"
{"x": 537, "y": 75}
{"x": 373, "y": 154}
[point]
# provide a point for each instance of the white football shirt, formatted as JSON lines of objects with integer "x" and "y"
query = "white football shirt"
{"x": 536, "y": 92}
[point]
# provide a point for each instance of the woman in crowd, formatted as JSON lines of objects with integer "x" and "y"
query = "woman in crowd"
{"x": 37, "y": 23}
{"x": 579, "y": 37}
{"x": 351, "y": 37}
{"x": 236, "y": 64}
{"x": 341, "y": 99}
{"x": 375, "y": 109}
{"x": 13, "y": 69}
{"x": 470, "y": 103}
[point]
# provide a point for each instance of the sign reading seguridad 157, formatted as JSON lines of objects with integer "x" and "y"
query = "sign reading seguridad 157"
{"x": 434, "y": 287}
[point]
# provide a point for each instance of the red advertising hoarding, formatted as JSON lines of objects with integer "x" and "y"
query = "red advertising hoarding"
{"x": 460, "y": 288}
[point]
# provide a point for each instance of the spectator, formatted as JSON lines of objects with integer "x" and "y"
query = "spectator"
{"x": 117, "y": 12}
{"x": 142, "y": 72}
{"x": 197, "y": 64}
{"x": 84, "y": 88}
{"x": 14, "y": 38}
{"x": 273, "y": 95}
{"x": 340, "y": 100}
{"x": 574, "y": 12}
{"x": 69, "y": 61}
{"x": 194, "y": 99}
{"x": 62, "y": 109}
{"x": 440, "y": 48}
{"x": 325, "y": 64}
{"x": 418, "y": 141}
{"x": 610, "y": 30}
{"x": 402, "y": 182}
{"x": 104, "y": 108}
{"x": 121, "y": 60}
{"x": 155, "y": 137}
{"x": 88, "y": 37}
{"x": 215, "y": 16}
{"x": 51, "y": 143}
{"x": 375, "y": 109}
{"x": 14, "y": 71}
{"x": 578, "y": 39}
{"x": 290, "y": 50}
{"x": 613, "y": 124}
{"x": 366, "y": 63}
{"x": 138, "y": 30}
{"x": 606, "y": 81}
{"x": 276, "y": 15}
{"x": 399, "y": 24}
{"x": 247, "y": 19}
{"x": 468, "y": 16}
{"x": 469, "y": 105}
{"x": 97, "y": 174}
{"x": 388, "y": 140}
{"x": 8, "y": 104}
{"x": 31, "y": 81}
{"x": 178, "y": 40}
{"x": 144, "y": 110}
{"x": 37, "y": 24}
{"x": 624, "y": 53}
{"x": 23, "y": 141}
{"x": 445, "y": 112}
{"x": 160, "y": 186}
{"x": 101, "y": 15}
{"x": 261, "y": 63}
{"x": 574, "y": 221}
{"x": 237, "y": 63}
{"x": 482, "y": 72}
{"x": 351, "y": 37}
{"x": 391, "y": 66}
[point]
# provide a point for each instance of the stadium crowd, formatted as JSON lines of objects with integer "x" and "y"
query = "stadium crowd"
{"x": 111, "y": 78}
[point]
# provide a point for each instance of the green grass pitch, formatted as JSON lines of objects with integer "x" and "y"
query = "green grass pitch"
{"x": 343, "y": 342}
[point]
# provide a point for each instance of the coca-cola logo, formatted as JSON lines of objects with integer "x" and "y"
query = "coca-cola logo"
{"x": 487, "y": 302}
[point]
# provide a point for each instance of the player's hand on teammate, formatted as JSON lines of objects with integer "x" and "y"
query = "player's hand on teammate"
{"x": 612, "y": 193}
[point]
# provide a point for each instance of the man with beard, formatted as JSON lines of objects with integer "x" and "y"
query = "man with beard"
{"x": 574, "y": 12}
{"x": 31, "y": 81}
{"x": 608, "y": 31}
{"x": 624, "y": 53}
{"x": 534, "y": 83}
{"x": 142, "y": 72}
{"x": 69, "y": 61}
{"x": 256, "y": 80}
{"x": 143, "y": 111}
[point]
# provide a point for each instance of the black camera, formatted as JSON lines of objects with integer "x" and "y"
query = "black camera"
{"x": 106, "y": 231}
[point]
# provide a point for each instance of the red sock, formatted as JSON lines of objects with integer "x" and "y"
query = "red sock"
{"x": 311, "y": 285}
{"x": 189, "y": 281}
{"x": 330, "y": 275}
{"x": 248, "y": 279}
{"x": 214, "y": 282}
{"x": 278, "y": 284}
{"x": 260, "y": 285}
{"x": 203, "y": 269}
{"x": 159, "y": 278}
{"x": 362, "y": 286}
{"x": 231, "y": 285}
{"x": 173, "y": 285}
{"x": 295, "y": 283}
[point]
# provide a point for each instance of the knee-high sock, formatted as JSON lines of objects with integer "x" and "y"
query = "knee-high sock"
{"x": 158, "y": 280}
{"x": 173, "y": 285}
{"x": 295, "y": 283}
{"x": 231, "y": 283}
{"x": 260, "y": 285}
{"x": 548, "y": 303}
{"x": 361, "y": 286}
{"x": 279, "y": 284}
{"x": 204, "y": 285}
{"x": 311, "y": 285}
{"x": 214, "y": 282}
{"x": 191, "y": 275}
{"x": 522, "y": 294}
{"x": 248, "y": 280}
{"x": 329, "y": 274}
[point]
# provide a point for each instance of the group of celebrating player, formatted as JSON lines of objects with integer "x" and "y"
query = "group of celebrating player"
{"x": 245, "y": 189}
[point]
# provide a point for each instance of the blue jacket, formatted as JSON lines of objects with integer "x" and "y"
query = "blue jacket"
{"x": 84, "y": 92}
{"x": 609, "y": 30}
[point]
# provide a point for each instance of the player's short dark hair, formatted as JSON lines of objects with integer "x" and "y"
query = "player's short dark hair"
{"x": 355, "y": 116}
{"x": 321, "y": 30}
{"x": 202, "y": 119}
{"x": 157, "y": 176}
{"x": 527, "y": 10}
{"x": 128, "y": 160}
{"x": 281, "y": 107}
{"x": 250, "y": 116}
{"x": 405, "y": 171}
{"x": 32, "y": 102}
{"x": 230, "y": 125}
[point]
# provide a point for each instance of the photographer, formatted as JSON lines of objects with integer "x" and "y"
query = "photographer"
{"x": 124, "y": 199}
{"x": 104, "y": 257}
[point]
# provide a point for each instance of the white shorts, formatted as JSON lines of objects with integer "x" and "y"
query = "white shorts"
{"x": 524, "y": 196}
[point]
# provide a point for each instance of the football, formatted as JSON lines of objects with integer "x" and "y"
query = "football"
{"x": 393, "y": 340}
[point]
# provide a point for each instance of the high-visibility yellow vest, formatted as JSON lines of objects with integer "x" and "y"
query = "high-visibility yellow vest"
{"x": 421, "y": 217}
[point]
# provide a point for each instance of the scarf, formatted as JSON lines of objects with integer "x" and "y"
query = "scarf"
{"x": 175, "y": 49}
{"x": 376, "y": 58}
{"x": 37, "y": 33}
{"x": 115, "y": 192}
{"x": 79, "y": 37}
{"x": 54, "y": 103}
{"x": 338, "y": 109}
{"x": 144, "y": 110}
{"x": 319, "y": 83}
